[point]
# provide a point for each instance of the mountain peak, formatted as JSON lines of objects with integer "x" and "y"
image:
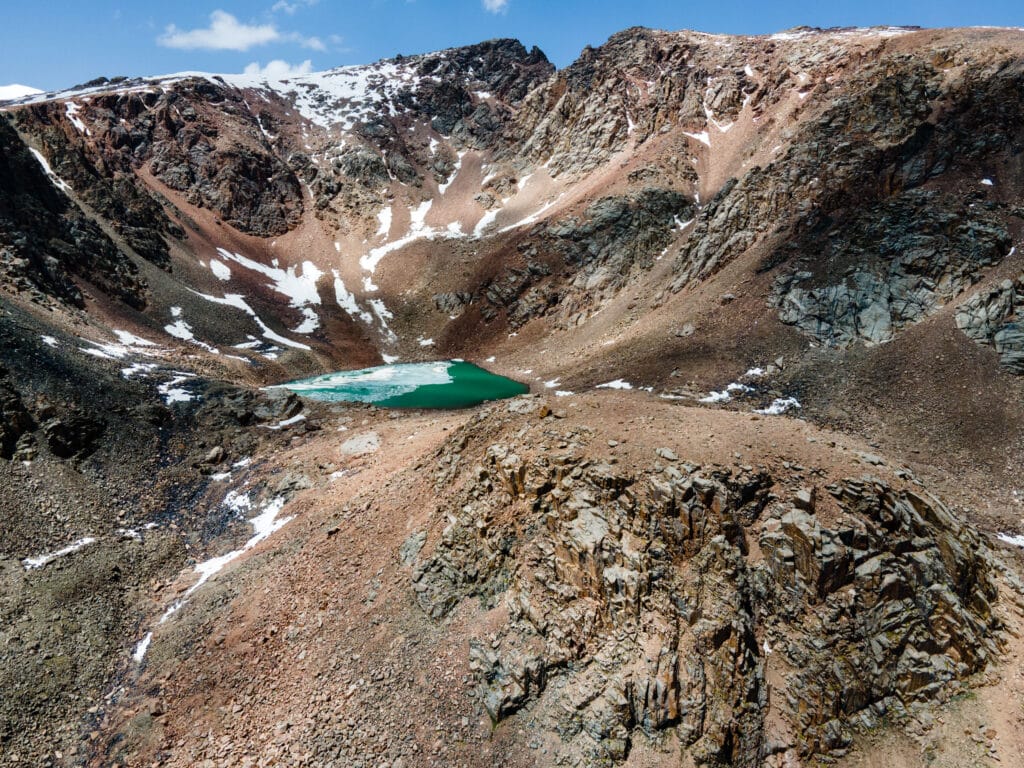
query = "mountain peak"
{"x": 17, "y": 91}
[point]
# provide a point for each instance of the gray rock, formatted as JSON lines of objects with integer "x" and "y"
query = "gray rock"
{"x": 992, "y": 318}
{"x": 411, "y": 547}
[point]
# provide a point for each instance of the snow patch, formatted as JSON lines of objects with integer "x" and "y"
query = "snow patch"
{"x": 34, "y": 563}
{"x": 287, "y": 422}
{"x": 779, "y": 406}
{"x": 131, "y": 340}
{"x": 309, "y": 323}
{"x": 173, "y": 393}
{"x": 71, "y": 110}
{"x": 485, "y": 221}
{"x": 17, "y": 91}
{"x": 180, "y": 329}
{"x": 532, "y": 217}
{"x": 347, "y": 301}
{"x": 442, "y": 188}
{"x": 138, "y": 369}
{"x": 716, "y": 397}
{"x": 617, "y": 384}
{"x": 383, "y": 315}
{"x": 62, "y": 185}
{"x": 384, "y": 217}
{"x": 140, "y": 650}
{"x": 220, "y": 270}
{"x": 1017, "y": 541}
{"x": 238, "y": 301}
{"x": 264, "y": 524}
{"x": 417, "y": 230}
{"x": 298, "y": 286}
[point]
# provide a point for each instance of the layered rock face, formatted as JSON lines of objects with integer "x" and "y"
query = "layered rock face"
{"x": 758, "y": 624}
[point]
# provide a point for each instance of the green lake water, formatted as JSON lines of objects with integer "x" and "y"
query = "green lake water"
{"x": 443, "y": 384}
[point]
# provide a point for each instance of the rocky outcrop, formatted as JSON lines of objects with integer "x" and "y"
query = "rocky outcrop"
{"x": 178, "y": 135}
{"x": 713, "y": 604}
{"x": 993, "y": 318}
{"x": 467, "y": 95}
{"x": 99, "y": 167}
{"x": 15, "y": 420}
{"x": 242, "y": 179}
{"x": 614, "y": 240}
{"x": 640, "y": 83}
{"x": 899, "y": 261}
{"x": 46, "y": 240}
{"x": 465, "y": 91}
{"x": 894, "y": 124}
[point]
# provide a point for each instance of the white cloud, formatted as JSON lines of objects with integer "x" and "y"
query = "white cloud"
{"x": 291, "y": 7}
{"x": 495, "y": 6}
{"x": 314, "y": 43}
{"x": 279, "y": 70}
{"x": 226, "y": 33}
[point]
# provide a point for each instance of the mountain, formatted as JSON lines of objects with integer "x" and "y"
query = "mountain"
{"x": 17, "y": 91}
{"x": 760, "y": 508}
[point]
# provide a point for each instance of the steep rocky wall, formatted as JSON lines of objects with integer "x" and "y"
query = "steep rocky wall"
{"x": 501, "y": 68}
{"x": 98, "y": 167}
{"x": 758, "y": 623}
{"x": 860, "y": 250}
{"x": 854, "y": 148}
{"x": 566, "y": 269}
{"x": 197, "y": 138}
{"x": 45, "y": 239}
{"x": 639, "y": 84}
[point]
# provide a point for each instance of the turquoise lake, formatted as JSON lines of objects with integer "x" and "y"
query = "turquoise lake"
{"x": 443, "y": 384}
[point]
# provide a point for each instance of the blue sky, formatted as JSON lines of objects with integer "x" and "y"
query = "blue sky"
{"x": 51, "y": 45}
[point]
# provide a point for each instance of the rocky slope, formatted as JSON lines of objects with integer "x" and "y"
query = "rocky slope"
{"x": 744, "y": 231}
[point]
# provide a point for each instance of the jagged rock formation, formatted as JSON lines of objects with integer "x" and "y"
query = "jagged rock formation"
{"x": 181, "y": 146}
{"x": 640, "y": 83}
{"x": 15, "y": 420}
{"x": 711, "y": 603}
{"x": 898, "y": 123}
